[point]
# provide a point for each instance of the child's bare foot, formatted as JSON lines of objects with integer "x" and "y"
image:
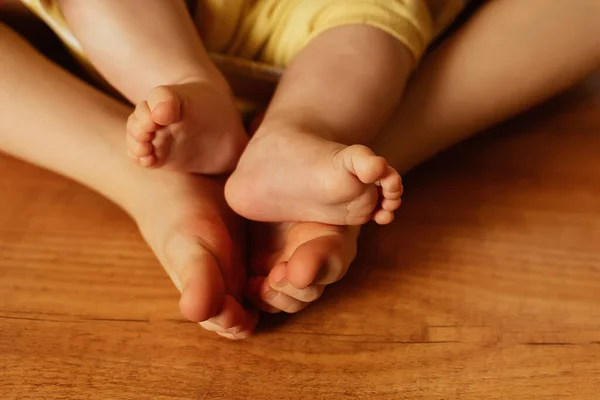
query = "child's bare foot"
{"x": 192, "y": 126}
{"x": 291, "y": 263}
{"x": 294, "y": 176}
{"x": 198, "y": 240}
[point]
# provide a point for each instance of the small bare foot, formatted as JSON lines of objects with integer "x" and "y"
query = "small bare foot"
{"x": 192, "y": 126}
{"x": 292, "y": 263}
{"x": 198, "y": 240}
{"x": 294, "y": 176}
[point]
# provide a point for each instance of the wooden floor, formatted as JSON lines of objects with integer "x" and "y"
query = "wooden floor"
{"x": 487, "y": 286}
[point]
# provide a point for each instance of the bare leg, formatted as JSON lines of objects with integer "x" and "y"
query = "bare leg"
{"x": 185, "y": 116}
{"x": 75, "y": 131}
{"x": 338, "y": 91}
{"x": 139, "y": 47}
{"x": 506, "y": 59}
{"x": 57, "y": 122}
{"x": 498, "y": 65}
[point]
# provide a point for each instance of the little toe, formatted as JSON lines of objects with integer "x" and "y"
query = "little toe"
{"x": 140, "y": 135}
{"x": 383, "y": 217}
{"x": 165, "y": 105}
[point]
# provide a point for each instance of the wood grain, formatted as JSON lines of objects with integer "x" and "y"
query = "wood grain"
{"x": 486, "y": 287}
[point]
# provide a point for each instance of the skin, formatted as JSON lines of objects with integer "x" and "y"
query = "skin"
{"x": 185, "y": 117}
{"x": 496, "y": 89}
{"x": 476, "y": 79}
{"x": 333, "y": 98}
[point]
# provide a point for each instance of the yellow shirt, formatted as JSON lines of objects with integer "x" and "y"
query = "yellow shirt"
{"x": 273, "y": 31}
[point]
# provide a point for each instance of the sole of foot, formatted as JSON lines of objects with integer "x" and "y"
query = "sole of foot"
{"x": 190, "y": 127}
{"x": 301, "y": 177}
{"x": 292, "y": 263}
{"x": 197, "y": 239}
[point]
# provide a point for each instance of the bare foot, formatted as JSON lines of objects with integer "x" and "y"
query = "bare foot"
{"x": 197, "y": 239}
{"x": 292, "y": 263}
{"x": 192, "y": 126}
{"x": 295, "y": 176}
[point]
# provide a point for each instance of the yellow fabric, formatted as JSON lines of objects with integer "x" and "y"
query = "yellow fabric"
{"x": 218, "y": 21}
{"x": 273, "y": 31}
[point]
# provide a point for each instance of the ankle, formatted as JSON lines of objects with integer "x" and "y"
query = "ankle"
{"x": 137, "y": 186}
{"x": 207, "y": 77}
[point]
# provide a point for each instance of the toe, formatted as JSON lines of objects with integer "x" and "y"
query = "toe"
{"x": 196, "y": 272}
{"x": 163, "y": 144}
{"x": 140, "y": 135}
{"x": 147, "y": 161}
{"x": 391, "y": 184}
{"x": 309, "y": 256}
{"x": 391, "y": 205}
{"x": 383, "y": 217}
{"x": 137, "y": 148}
{"x": 397, "y": 195}
{"x": 232, "y": 321}
{"x": 363, "y": 163}
{"x": 278, "y": 300}
{"x": 257, "y": 292}
{"x": 165, "y": 105}
{"x": 140, "y": 123}
{"x": 323, "y": 260}
{"x": 278, "y": 281}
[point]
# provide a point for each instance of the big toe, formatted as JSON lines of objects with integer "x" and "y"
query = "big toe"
{"x": 165, "y": 105}
{"x": 311, "y": 255}
{"x": 324, "y": 259}
{"x": 363, "y": 163}
{"x": 196, "y": 273}
{"x": 202, "y": 289}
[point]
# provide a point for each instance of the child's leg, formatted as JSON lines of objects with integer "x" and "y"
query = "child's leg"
{"x": 476, "y": 79}
{"x": 55, "y": 121}
{"x": 338, "y": 91}
{"x": 151, "y": 52}
{"x": 136, "y": 45}
{"x": 508, "y": 57}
